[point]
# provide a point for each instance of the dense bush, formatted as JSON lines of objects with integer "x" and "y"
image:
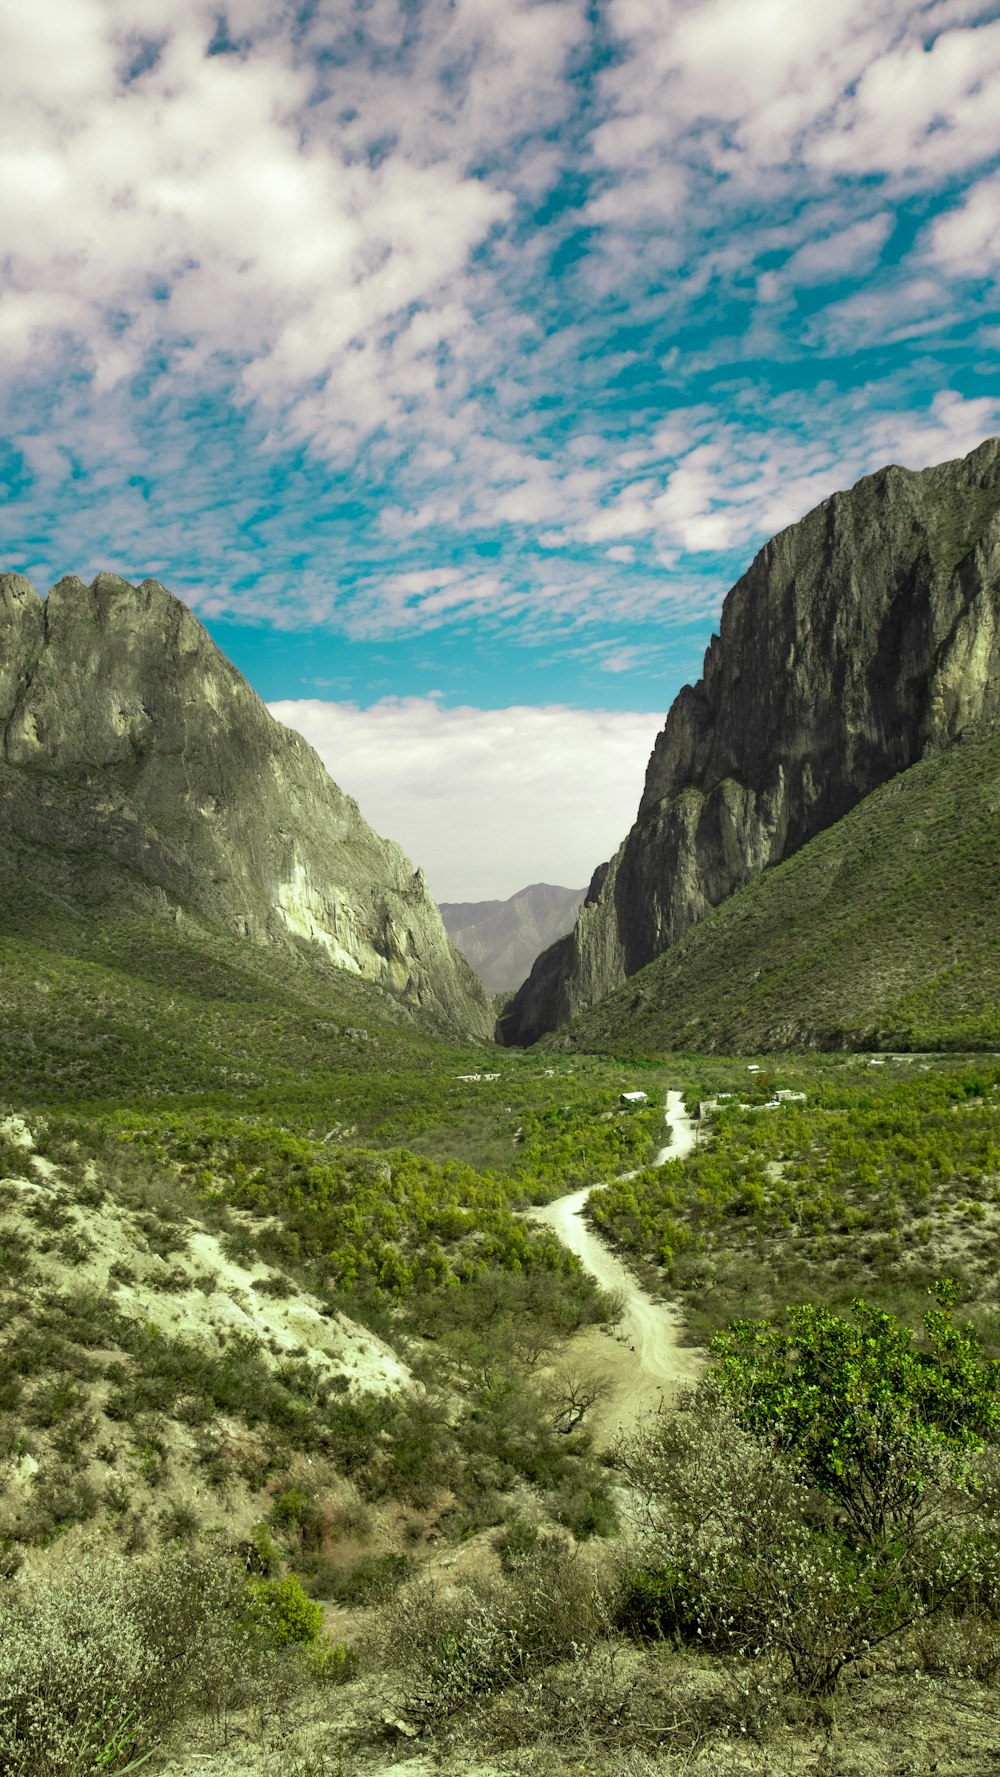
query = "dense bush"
{"x": 97, "y": 1660}
{"x": 876, "y": 1421}
{"x": 821, "y": 1492}
{"x": 282, "y": 1612}
{"x": 479, "y": 1638}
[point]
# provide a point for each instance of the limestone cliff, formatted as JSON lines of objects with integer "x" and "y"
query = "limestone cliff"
{"x": 860, "y": 640}
{"x": 138, "y": 768}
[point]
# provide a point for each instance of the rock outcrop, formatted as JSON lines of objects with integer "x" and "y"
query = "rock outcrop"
{"x": 878, "y": 933}
{"x": 501, "y": 939}
{"x": 860, "y": 640}
{"x": 139, "y": 769}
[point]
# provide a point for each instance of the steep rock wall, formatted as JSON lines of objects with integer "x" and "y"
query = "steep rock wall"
{"x": 138, "y": 766}
{"x": 859, "y": 640}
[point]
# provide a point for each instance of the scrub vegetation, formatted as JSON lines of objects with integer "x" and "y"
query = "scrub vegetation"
{"x": 878, "y": 1180}
{"x": 280, "y": 1335}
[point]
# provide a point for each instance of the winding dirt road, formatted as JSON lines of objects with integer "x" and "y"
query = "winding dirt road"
{"x": 642, "y": 1362}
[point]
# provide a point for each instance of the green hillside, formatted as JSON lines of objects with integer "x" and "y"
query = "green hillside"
{"x": 210, "y": 1155}
{"x": 881, "y": 933}
{"x": 106, "y": 1016}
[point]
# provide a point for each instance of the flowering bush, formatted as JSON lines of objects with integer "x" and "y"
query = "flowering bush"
{"x": 96, "y": 1661}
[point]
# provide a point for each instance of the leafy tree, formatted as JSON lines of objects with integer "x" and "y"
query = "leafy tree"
{"x": 820, "y": 1491}
{"x": 871, "y": 1415}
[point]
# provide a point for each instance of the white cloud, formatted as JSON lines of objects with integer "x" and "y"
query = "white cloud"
{"x": 487, "y": 801}
{"x": 306, "y": 226}
{"x": 758, "y": 90}
{"x": 846, "y": 253}
{"x": 953, "y": 427}
{"x": 903, "y": 308}
{"x": 326, "y": 240}
{"x": 917, "y": 110}
{"x": 732, "y": 131}
{"x": 965, "y": 242}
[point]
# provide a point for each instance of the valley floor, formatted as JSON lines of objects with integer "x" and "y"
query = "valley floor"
{"x": 640, "y": 1361}
{"x": 422, "y": 1519}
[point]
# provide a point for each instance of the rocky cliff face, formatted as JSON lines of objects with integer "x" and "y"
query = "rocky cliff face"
{"x": 139, "y": 768}
{"x": 860, "y": 639}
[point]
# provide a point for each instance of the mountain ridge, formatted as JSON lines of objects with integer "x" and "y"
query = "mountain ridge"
{"x": 139, "y": 769}
{"x": 879, "y": 933}
{"x": 859, "y": 639}
{"x": 500, "y": 939}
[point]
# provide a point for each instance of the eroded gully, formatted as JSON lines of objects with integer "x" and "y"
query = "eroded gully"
{"x": 642, "y": 1361}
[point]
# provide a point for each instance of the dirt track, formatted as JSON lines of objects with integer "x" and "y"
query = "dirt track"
{"x": 643, "y": 1361}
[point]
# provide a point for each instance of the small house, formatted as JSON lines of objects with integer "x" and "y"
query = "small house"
{"x": 634, "y": 1098}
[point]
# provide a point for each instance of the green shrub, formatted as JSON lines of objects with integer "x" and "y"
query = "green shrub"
{"x": 327, "y": 1659}
{"x": 267, "y": 1555}
{"x": 875, "y": 1420}
{"x": 370, "y": 1580}
{"x": 291, "y": 1509}
{"x": 283, "y": 1612}
{"x": 819, "y": 1494}
{"x": 584, "y": 1506}
{"x": 178, "y": 1523}
{"x": 655, "y": 1602}
{"x": 518, "y": 1541}
{"x": 98, "y": 1660}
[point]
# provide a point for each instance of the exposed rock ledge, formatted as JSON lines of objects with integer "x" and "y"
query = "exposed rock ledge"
{"x": 138, "y": 766}
{"x": 860, "y": 639}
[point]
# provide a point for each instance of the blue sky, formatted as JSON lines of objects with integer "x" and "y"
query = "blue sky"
{"x": 453, "y": 358}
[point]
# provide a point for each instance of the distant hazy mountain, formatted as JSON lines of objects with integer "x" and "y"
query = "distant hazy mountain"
{"x": 140, "y": 773}
{"x": 501, "y": 939}
{"x": 860, "y": 640}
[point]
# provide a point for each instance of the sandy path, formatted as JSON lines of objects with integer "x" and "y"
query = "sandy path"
{"x": 643, "y": 1362}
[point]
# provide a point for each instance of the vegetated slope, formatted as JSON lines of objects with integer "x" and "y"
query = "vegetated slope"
{"x": 178, "y": 1021}
{"x": 859, "y": 1180}
{"x": 139, "y": 771}
{"x": 501, "y": 939}
{"x": 882, "y": 932}
{"x": 155, "y": 1367}
{"x": 859, "y": 640}
{"x": 211, "y": 1159}
{"x": 130, "y": 1008}
{"x": 166, "y": 1357}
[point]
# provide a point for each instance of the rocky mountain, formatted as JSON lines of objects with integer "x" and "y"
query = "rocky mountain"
{"x": 139, "y": 771}
{"x": 879, "y": 933}
{"x": 501, "y": 939}
{"x": 860, "y": 640}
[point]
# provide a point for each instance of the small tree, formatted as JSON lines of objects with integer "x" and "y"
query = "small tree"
{"x": 818, "y": 1492}
{"x": 572, "y": 1392}
{"x": 875, "y": 1420}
